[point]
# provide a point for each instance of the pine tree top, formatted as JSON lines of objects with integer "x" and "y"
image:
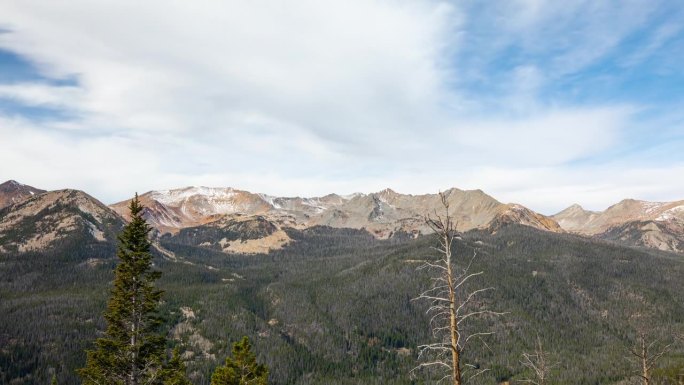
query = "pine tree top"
{"x": 242, "y": 368}
{"x": 133, "y": 350}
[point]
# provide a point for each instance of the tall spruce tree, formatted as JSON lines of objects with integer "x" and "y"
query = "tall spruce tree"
{"x": 241, "y": 369}
{"x": 132, "y": 352}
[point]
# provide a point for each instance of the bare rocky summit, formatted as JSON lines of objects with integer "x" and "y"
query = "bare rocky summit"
{"x": 42, "y": 220}
{"x": 634, "y": 222}
{"x": 662, "y": 235}
{"x": 14, "y": 192}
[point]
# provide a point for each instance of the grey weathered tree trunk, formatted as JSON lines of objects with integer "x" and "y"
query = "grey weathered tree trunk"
{"x": 450, "y": 304}
{"x": 647, "y": 352}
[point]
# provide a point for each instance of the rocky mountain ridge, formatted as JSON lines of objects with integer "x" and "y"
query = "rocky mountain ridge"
{"x": 43, "y": 220}
{"x": 657, "y": 225}
{"x": 221, "y": 215}
{"x": 14, "y": 192}
{"x": 382, "y": 214}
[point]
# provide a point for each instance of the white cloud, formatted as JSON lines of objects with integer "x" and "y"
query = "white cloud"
{"x": 302, "y": 98}
{"x": 208, "y": 65}
{"x": 551, "y": 137}
{"x": 37, "y": 94}
{"x": 113, "y": 168}
{"x": 49, "y": 158}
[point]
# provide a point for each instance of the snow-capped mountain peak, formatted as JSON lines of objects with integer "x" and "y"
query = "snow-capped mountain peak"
{"x": 177, "y": 196}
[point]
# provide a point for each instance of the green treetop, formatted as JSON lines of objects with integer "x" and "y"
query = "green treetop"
{"x": 132, "y": 351}
{"x": 241, "y": 369}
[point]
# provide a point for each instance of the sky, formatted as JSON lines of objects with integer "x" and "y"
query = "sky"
{"x": 543, "y": 103}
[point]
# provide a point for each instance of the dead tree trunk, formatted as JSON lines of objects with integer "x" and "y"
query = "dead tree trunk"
{"x": 449, "y": 305}
{"x": 453, "y": 316}
{"x": 647, "y": 352}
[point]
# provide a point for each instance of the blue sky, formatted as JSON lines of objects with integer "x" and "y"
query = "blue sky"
{"x": 542, "y": 103}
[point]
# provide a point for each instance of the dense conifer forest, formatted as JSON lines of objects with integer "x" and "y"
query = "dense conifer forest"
{"x": 336, "y": 306}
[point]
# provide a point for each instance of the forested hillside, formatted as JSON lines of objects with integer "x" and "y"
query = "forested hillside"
{"x": 335, "y": 306}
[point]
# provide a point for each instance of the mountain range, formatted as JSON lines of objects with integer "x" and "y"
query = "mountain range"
{"x": 256, "y": 221}
{"x": 324, "y": 286}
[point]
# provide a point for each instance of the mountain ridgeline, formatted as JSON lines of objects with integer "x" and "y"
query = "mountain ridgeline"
{"x": 382, "y": 214}
{"x": 657, "y": 225}
{"x": 324, "y": 287}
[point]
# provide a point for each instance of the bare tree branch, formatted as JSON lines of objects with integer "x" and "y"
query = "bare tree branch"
{"x": 539, "y": 363}
{"x": 646, "y": 352}
{"x": 450, "y": 305}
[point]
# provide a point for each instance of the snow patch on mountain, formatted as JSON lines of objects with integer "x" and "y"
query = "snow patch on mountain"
{"x": 351, "y": 196}
{"x": 671, "y": 213}
{"x": 177, "y": 197}
{"x": 271, "y": 200}
{"x": 651, "y": 207}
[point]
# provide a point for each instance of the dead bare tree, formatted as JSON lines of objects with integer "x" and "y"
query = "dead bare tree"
{"x": 539, "y": 363}
{"x": 646, "y": 352}
{"x": 451, "y": 305}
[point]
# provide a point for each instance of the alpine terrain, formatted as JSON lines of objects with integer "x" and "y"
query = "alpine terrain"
{"x": 324, "y": 287}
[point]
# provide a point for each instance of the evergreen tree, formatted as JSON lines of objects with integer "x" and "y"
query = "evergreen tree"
{"x": 54, "y": 380}
{"x": 132, "y": 352}
{"x": 241, "y": 369}
{"x": 174, "y": 372}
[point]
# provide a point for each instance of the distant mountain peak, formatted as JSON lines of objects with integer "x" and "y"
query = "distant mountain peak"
{"x": 13, "y": 192}
{"x": 388, "y": 191}
{"x": 11, "y": 182}
{"x": 518, "y": 214}
{"x": 52, "y": 217}
{"x": 573, "y": 210}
